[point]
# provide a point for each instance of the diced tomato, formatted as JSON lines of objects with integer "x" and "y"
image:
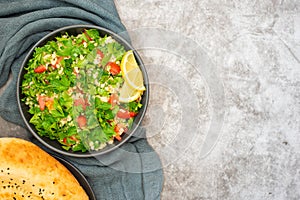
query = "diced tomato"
{"x": 45, "y": 101}
{"x": 71, "y": 138}
{"x": 78, "y": 102}
{"x": 114, "y": 68}
{"x": 42, "y": 102}
{"x": 124, "y": 114}
{"x": 113, "y": 99}
{"x": 40, "y": 69}
{"x": 118, "y": 137}
{"x": 74, "y": 138}
{"x": 132, "y": 114}
{"x": 87, "y": 35}
{"x": 81, "y": 120}
{"x": 81, "y": 102}
{"x": 118, "y": 131}
{"x": 100, "y": 53}
{"x": 59, "y": 59}
{"x": 99, "y": 56}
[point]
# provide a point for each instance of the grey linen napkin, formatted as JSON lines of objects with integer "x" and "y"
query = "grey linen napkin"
{"x": 131, "y": 172}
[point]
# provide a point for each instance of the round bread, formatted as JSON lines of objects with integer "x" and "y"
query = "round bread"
{"x": 28, "y": 172}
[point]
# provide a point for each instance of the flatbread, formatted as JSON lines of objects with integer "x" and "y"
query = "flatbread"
{"x": 28, "y": 172}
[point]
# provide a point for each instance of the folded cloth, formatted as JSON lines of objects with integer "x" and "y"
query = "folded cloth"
{"x": 131, "y": 172}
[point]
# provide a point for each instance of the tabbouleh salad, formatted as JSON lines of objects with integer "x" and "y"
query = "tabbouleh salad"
{"x": 71, "y": 87}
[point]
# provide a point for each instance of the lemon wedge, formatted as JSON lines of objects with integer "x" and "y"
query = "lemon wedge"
{"x": 131, "y": 72}
{"x": 128, "y": 94}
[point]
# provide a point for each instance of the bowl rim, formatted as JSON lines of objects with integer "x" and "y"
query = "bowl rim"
{"x": 145, "y": 95}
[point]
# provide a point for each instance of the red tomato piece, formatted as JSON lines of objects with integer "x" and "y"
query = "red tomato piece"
{"x": 124, "y": 114}
{"x": 113, "y": 99}
{"x": 100, "y": 53}
{"x": 81, "y": 102}
{"x": 87, "y": 36}
{"x": 81, "y": 120}
{"x": 118, "y": 137}
{"x": 74, "y": 138}
{"x": 132, "y": 114}
{"x": 59, "y": 59}
{"x": 42, "y": 102}
{"x": 40, "y": 69}
{"x": 119, "y": 131}
{"x": 99, "y": 56}
{"x": 114, "y": 68}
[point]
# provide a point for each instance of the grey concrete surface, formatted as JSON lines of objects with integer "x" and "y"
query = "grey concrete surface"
{"x": 227, "y": 128}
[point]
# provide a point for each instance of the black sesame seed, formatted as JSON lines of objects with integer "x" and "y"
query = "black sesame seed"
{"x": 53, "y": 182}
{"x": 1, "y": 170}
{"x": 14, "y": 198}
{"x": 8, "y": 168}
{"x": 4, "y": 187}
{"x": 33, "y": 185}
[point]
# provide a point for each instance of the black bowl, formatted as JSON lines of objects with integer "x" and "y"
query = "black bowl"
{"x": 55, "y": 145}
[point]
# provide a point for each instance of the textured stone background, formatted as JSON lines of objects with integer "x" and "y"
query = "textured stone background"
{"x": 255, "y": 50}
{"x": 255, "y": 46}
